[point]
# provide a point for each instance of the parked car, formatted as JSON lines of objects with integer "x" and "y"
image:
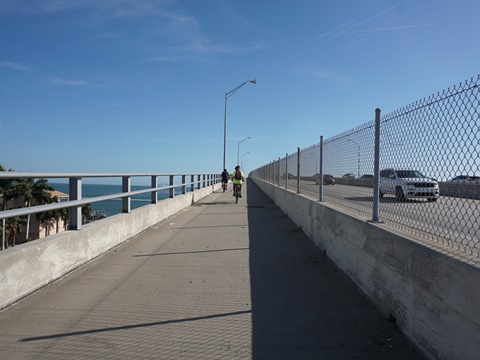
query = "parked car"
{"x": 349, "y": 176}
{"x": 408, "y": 184}
{"x": 290, "y": 176}
{"x": 327, "y": 179}
{"x": 465, "y": 179}
{"x": 366, "y": 176}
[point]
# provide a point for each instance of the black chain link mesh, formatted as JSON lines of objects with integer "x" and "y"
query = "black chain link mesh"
{"x": 438, "y": 136}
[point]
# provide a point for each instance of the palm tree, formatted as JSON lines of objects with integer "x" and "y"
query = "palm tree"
{"x": 86, "y": 212}
{"x": 32, "y": 190}
{"x": 60, "y": 214}
{"x": 14, "y": 227}
{"x": 47, "y": 216}
{"x": 6, "y": 187}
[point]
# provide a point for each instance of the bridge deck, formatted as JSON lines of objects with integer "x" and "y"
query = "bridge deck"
{"x": 216, "y": 281}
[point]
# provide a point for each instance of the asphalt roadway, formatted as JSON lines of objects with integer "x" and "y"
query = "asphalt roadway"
{"x": 217, "y": 281}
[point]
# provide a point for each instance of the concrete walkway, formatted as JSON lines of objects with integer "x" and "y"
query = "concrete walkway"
{"x": 217, "y": 281}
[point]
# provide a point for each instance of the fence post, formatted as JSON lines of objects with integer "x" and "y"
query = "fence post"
{"x": 376, "y": 167}
{"x": 278, "y": 180}
{"x": 286, "y": 171}
{"x": 274, "y": 171}
{"x": 298, "y": 170}
{"x": 320, "y": 189}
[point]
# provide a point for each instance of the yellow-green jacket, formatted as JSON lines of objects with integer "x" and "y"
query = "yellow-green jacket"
{"x": 236, "y": 181}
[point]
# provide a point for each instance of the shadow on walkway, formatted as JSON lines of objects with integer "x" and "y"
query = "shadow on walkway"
{"x": 303, "y": 306}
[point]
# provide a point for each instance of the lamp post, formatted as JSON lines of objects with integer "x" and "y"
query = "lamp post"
{"x": 358, "y": 166}
{"x": 241, "y": 158}
{"x": 238, "y": 150}
{"x": 227, "y": 95}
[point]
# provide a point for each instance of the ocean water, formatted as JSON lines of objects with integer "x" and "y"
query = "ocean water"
{"x": 114, "y": 206}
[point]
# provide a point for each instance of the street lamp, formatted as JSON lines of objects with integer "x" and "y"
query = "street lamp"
{"x": 241, "y": 158}
{"x": 227, "y": 95}
{"x": 238, "y": 150}
{"x": 358, "y": 168}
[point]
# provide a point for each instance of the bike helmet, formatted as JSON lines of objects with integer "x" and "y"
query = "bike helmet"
{"x": 237, "y": 167}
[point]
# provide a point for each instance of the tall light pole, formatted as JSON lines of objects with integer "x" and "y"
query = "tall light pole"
{"x": 241, "y": 158}
{"x": 358, "y": 166}
{"x": 227, "y": 95}
{"x": 238, "y": 150}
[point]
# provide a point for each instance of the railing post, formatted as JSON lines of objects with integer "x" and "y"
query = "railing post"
{"x": 204, "y": 179}
{"x": 154, "y": 184}
{"x": 298, "y": 170}
{"x": 198, "y": 182}
{"x": 75, "y": 213}
{"x": 320, "y": 189}
{"x": 126, "y": 185}
{"x": 192, "y": 185}
{"x": 184, "y": 186}
{"x": 376, "y": 167}
{"x": 172, "y": 190}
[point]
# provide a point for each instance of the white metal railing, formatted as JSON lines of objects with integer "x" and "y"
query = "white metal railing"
{"x": 75, "y": 203}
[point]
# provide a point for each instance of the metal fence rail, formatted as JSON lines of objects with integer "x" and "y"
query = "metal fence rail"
{"x": 182, "y": 182}
{"x": 438, "y": 136}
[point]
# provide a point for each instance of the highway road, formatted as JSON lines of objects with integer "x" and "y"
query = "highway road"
{"x": 451, "y": 221}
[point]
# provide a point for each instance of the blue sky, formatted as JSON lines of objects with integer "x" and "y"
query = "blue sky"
{"x": 139, "y": 86}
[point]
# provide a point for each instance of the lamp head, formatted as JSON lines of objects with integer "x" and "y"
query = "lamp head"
{"x": 253, "y": 81}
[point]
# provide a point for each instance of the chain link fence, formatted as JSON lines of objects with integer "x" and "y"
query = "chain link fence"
{"x": 427, "y": 176}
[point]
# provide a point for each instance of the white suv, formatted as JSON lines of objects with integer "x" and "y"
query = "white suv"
{"x": 408, "y": 184}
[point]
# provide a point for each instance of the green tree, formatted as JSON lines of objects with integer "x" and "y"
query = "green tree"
{"x": 33, "y": 190}
{"x": 6, "y": 188}
{"x": 61, "y": 214}
{"x": 86, "y": 212}
{"x": 14, "y": 226}
{"x": 46, "y": 217}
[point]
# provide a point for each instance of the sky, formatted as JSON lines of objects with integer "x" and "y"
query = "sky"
{"x": 140, "y": 85}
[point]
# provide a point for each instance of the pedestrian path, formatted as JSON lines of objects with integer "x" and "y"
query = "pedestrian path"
{"x": 217, "y": 281}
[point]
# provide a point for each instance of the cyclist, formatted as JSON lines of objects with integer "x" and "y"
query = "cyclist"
{"x": 237, "y": 177}
{"x": 225, "y": 177}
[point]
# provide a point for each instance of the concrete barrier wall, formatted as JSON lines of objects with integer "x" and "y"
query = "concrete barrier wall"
{"x": 28, "y": 267}
{"x": 434, "y": 298}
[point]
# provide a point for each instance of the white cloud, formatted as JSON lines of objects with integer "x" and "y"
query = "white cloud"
{"x": 15, "y": 66}
{"x": 63, "y": 82}
{"x": 113, "y": 8}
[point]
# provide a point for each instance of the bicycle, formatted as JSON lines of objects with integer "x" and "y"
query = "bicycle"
{"x": 224, "y": 186}
{"x": 236, "y": 191}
